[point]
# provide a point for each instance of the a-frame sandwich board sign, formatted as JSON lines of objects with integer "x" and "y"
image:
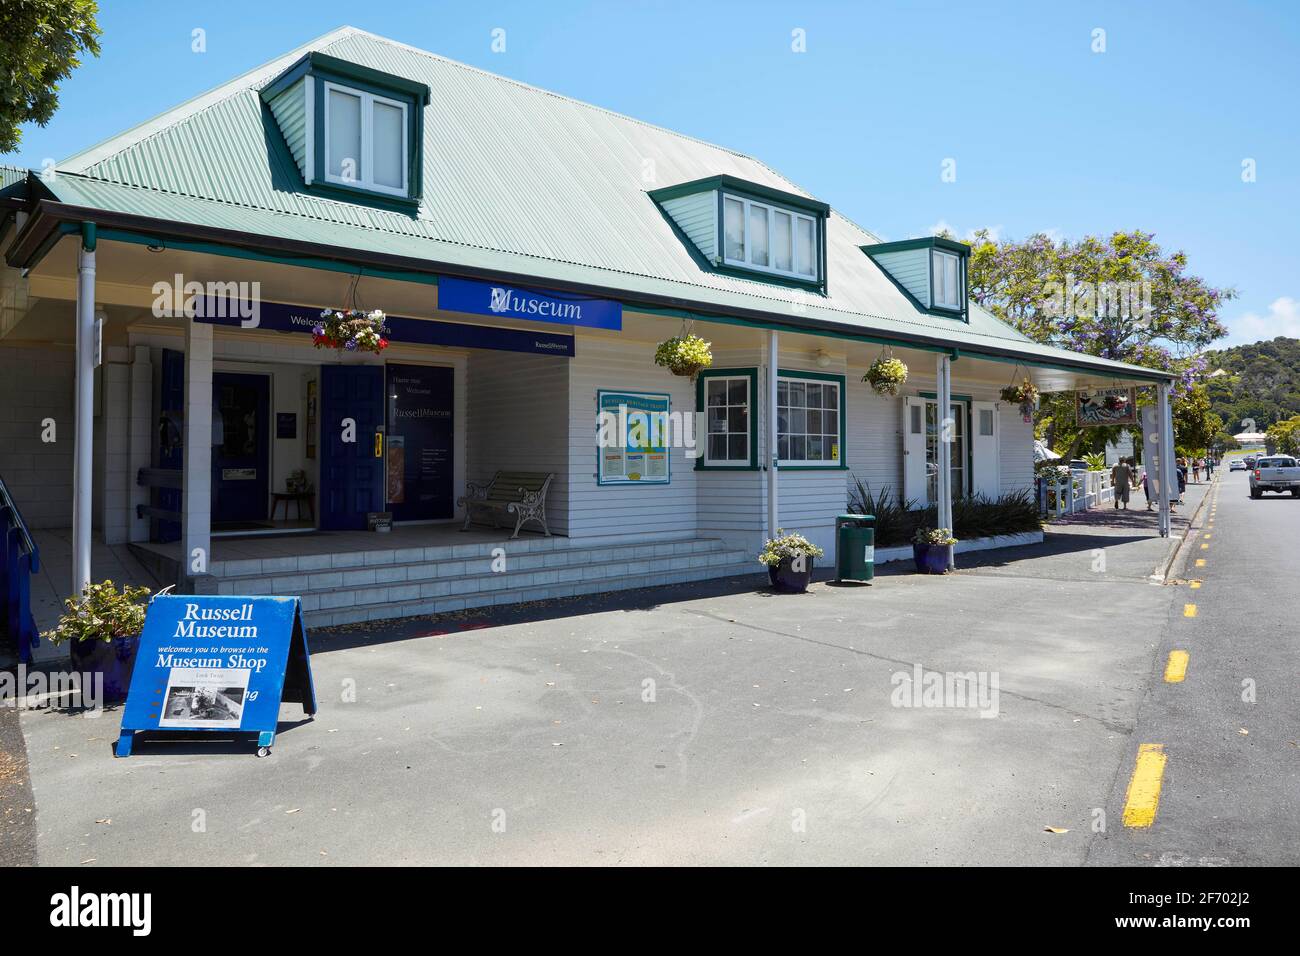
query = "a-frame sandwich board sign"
{"x": 220, "y": 664}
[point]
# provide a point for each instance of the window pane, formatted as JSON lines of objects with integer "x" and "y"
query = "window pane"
{"x": 782, "y": 393}
{"x": 831, "y": 423}
{"x": 738, "y": 448}
{"x": 916, "y": 419}
{"x": 814, "y": 448}
{"x": 797, "y": 448}
{"x": 737, "y": 419}
{"x": 782, "y": 242}
{"x": 814, "y": 394}
{"x": 344, "y": 158}
{"x": 734, "y": 223}
{"x": 782, "y": 420}
{"x": 783, "y": 448}
{"x": 717, "y": 391}
{"x": 718, "y": 447}
{"x": 758, "y": 235}
{"x": 806, "y": 248}
{"x": 737, "y": 391}
{"x": 796, "y": 393}
{"x": 950, "y": 278}
{"x": 986, "y": 421}
{"x": 386, "y": 145}
{"x": 814, "y": 422}
{"x": 830, "y": 396}
{"x": 717, "y": 419}
{"x": 798, "y": 421}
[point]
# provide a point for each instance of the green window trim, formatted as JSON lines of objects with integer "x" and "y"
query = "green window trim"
{"x": 751, "y": 374}
{"x": 840, "y": 464}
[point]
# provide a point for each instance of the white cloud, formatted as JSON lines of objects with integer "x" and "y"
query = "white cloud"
{"x": 1282, "y": 318}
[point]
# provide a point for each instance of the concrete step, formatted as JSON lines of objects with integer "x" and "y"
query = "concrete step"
{"x": 740, "y": 564}
{"x": 423, "y": 569}
{"x": 339, "y": 589}
{"x": 442, "y": 552}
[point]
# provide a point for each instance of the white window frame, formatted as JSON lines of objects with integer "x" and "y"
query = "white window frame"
{"x": 750, "y": 457}
{"x": 840, "y": 408}
{"x": 367, "y": 158}
{"x": 771, "y": 209}
{"x": 937, "y": 257}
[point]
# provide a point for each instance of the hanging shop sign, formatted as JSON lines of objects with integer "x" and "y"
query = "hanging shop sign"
{"x": 1094, "y": 407}
{"x": 281, "y": 317}
{"x": 632, "y": 438}
{"x": 490, "y": 298}
{"x": 209, "y": 663}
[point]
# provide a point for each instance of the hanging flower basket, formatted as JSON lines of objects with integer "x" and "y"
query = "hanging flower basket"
{"x": 685, "y": 355}
{"x": 351, "y": 331}
{"x": 1025, "y": 395}
{"x": 886, "y": 375}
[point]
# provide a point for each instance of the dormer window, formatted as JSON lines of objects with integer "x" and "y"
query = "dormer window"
{"x": 766, "y": 237}
{"x": 946, "y": 272}
{"x": 354, "y": 133}
{"x": 365, "y": 140}
{"x": 746, "y": 229}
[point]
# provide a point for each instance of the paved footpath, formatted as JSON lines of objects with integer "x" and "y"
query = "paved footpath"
{"x": 714, "y": 723}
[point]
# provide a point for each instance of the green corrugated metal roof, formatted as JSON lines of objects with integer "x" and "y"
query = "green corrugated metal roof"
{"x": 516, "y": 180}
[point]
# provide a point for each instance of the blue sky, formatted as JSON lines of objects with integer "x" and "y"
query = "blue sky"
{"x": 1046, "y": 133}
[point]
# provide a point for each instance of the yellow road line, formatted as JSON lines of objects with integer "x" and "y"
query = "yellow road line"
{"x": 1205, "y": 547}
{"x": 1143, "y": 797}
{"x": 1200, "y": 562}
{"x": 1189, "y": 610}
{"x": 1195, "y": 584}
{"x": 1176, "y": 667}
{"x": 1207, "y": 537}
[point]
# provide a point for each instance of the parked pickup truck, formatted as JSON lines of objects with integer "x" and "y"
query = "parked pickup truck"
{"x": 1275, "y": 473}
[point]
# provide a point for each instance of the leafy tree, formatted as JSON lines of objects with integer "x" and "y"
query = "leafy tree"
{"x": 1195, "y": 426}
{"x": 1121, "y": 298}
{"x": 41, "y": 42}
{"x": 1284, "y": 437}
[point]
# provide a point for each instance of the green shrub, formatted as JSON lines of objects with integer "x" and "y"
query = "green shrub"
{"x": 100, "y": 614}
{"x": 976, "y": 516}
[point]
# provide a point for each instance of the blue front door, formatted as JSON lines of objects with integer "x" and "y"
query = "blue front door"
{"x": 351, "y": 472}
{"x": 241, "y": 447}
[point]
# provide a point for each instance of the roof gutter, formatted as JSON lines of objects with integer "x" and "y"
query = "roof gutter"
{"x": 51, "y": 220}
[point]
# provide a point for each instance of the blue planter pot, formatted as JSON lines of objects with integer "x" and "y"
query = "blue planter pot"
{"x": 931, "y": 558}
{"x": 785, "y": 578}
{"x": 114, "y": 660}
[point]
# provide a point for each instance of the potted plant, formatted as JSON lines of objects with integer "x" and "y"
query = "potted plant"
{"x": 1025, "y": 395}
{"x": 886, "y": 375}
{"x": 789, "y": 559}
{"x": 103, "y": 627}
{"x": 685, "y": 355}
{"x": 351, "y": 330}
{"x": 932, "y": 550}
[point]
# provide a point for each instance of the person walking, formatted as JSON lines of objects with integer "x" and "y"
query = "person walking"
{"x": 1121, "y": 476}
{"x": 1146, "y": 487}
{"x": 1196, "y": 469}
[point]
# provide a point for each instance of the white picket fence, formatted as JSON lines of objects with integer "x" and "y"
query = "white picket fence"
{"x": 1059, "y": 494}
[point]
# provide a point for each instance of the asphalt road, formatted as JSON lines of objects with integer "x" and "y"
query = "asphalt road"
{"x": 1231, "y": 729}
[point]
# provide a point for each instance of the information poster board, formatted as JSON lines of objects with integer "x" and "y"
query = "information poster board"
{"x": 420, "y": 429}
{"x": 1094, "y": 407}
{"x": 632, "y": 432}
{"x": 217, "y": 663}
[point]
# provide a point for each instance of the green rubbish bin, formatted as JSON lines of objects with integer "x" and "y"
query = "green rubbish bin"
{"x": 855, "y": 547}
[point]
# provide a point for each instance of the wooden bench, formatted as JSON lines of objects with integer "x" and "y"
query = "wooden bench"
{"x": 519, "y": 493}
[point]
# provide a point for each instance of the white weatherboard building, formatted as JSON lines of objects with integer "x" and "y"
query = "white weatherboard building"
{"x": 530, "y": 252}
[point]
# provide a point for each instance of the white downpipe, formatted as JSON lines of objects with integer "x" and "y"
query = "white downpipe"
{"x": 944, "y": 372}
{"x": 773, "y": 511}
{"x": 1165, "y": 423}
{"x": 84, "y": 421}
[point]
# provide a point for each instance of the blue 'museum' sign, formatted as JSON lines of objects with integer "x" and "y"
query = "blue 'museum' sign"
{"x": 208, "y": 663}
{"x": 488, "y": 298}
{"x": 281, "y": 317}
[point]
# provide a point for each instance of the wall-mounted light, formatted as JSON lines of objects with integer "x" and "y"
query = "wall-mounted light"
{"x": 823, "y": 359}
{"x": 155, "y": 247}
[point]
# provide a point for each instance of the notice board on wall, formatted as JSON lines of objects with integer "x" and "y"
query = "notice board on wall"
{"x": 420, "y": 426}
{"x": 632, "y": 434}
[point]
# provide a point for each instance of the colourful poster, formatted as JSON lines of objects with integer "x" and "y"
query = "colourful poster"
{"x": 632, "y": 435}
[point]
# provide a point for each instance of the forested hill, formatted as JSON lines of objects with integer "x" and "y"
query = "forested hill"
{"x": 1262, "y": 383}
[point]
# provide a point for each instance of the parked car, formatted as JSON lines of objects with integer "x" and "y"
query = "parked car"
{"x": 1278, "y": 473}
{"x": 1236, "y": 465}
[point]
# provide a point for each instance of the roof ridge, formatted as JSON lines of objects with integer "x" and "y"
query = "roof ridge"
{"x": 574, "y": 100}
